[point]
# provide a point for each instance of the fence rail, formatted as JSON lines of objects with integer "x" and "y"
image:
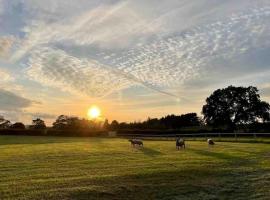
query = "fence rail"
{"x": 195, "y": 135}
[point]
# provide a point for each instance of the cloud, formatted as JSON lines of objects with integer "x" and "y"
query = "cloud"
{"x": 173, "y": 60}
{"x": 107, "y": 25}
{"x": 56, "y": 68}
{"x": 41, "y": 115}
{"x": 10, "y": 101}
{"x": 164, "y": 62}
{"x": 5, "y": 77}
{"x": 1, "y": 7}
{"x": 5, "y": 46}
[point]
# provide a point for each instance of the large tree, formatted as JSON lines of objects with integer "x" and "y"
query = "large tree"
{"x": 235, "y": 105}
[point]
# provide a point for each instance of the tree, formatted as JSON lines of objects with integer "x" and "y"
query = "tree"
{"x": 18, "y": 125}
{"x": 4, "y": 123}
{"x": 185, "y": 120}
{"x": 38, "y": 124}
{"x": 106, "y": 124}
{"x": 235, "y": 105}
{"x": 114, "y": 125}
{"x": 64, "y": 121}
{"x": 70, "y": 122}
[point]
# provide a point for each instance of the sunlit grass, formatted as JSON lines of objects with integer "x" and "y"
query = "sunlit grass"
{"x": 100, "y": 168}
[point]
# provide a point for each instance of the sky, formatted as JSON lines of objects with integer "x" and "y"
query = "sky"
{"x": 133, "y": 59}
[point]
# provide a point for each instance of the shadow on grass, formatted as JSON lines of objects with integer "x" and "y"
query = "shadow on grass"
{"x": 200, "y": 182}
{"x": 184, "y": 184}
{"x": 249, "y": 150}
{"x": 218, "y": 155}
{"x": 150, "y": 152}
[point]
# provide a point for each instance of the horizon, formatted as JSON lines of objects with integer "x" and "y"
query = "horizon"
{"x": 133, "y": 60}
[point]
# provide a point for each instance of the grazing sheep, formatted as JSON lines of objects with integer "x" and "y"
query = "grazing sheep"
{"x": 210, "y": 141}
{"x": 180, "y": 143}
{"x": 135, "y": 142}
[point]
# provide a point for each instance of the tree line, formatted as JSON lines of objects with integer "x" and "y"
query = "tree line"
{"x": 226, "y": 109}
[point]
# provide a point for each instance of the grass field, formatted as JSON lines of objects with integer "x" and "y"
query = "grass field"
{"x": 100, "y": 168}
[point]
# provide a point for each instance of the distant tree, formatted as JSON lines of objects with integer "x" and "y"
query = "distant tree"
{"x": 38, "y": 124}
{"x": 123, "y": 125}
{"x": 185, "y": 120}
{"x": 152, "y": 123}
{"x": 4, "y": 123}
{"x": 106, "y": 124}
{"x": 190, "y": 119}
{"x": 64, "y": 121}
{"x": 71, "y": 122}
{"x": 167, "y": 122}
{"x": 114, "y": 125}
{"x": 18, "y": 125}
{"x": 235, "y": 105}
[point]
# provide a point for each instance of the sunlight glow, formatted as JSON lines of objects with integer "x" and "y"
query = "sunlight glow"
{"x": 93, "y": 112}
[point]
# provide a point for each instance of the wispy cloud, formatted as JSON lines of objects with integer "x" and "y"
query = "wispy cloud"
{"x": 5, "y": 46}
{"x": 107, "y": 25}
{"x": 56, "y": 68}
{"x": 12, "y": 101}
{"x": 5, "y": 77}
{"x": 165, "y": 62}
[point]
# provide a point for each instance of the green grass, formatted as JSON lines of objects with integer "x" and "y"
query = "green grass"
{"x": 100, "y": 168}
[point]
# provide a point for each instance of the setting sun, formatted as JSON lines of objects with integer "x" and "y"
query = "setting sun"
{"x": 93, "y": 112}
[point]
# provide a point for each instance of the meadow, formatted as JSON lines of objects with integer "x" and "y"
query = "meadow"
{"x": 33, "y": 167}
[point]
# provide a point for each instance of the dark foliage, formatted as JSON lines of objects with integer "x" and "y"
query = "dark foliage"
{"x": 114, "y": 125}
{"x": 168, "y": 122}
{"x": 64, "y": 122}
{"x": 186, "y": 120}
{"x": 17, "y": 125}
{"x": 38, "y": 124}
{"x": 106, "y": 124}
{"x": 232, "y": 106}
{"x": 4, "y": 123}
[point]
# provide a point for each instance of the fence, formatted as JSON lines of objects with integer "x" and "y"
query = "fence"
{"x": 199, "y": 136}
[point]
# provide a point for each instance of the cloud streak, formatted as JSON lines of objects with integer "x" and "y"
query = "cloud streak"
{"x": 10, "y": 101}
{"x": 5, "y": 46}
{"x": 56, "y": 68}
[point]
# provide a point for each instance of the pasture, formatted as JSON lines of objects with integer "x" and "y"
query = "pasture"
{"x": 104, "y": 168}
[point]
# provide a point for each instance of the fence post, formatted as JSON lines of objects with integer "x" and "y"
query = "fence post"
{"x": 235, "y": 136}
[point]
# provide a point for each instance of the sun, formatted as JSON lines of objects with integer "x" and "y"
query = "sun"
{"x": 93, "y": 112}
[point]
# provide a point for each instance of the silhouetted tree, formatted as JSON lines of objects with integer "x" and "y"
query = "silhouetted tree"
{"x": 18, "y": 125}
{"x": 185, "y": 120}
{"x": 114, "y": 125}
{"x": 167, "y": 122}
{"x": 64, "y": 121}
{"x": 152, "y": 123}
{"x": 235, "y": 105}
{"x": 106, "y": 124}
{"x": 38, "y": 124}
{"x": 4, "y": 123}
{"x": 70, "y": 122}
